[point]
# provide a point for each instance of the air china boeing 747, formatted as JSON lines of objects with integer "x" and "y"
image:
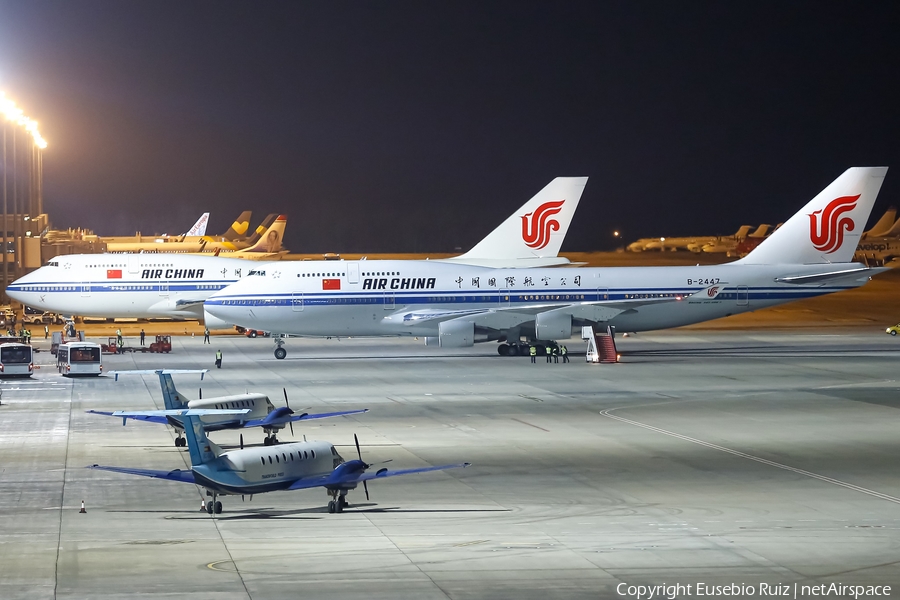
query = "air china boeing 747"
{"x": 457, "y": 305}
{"x": 175, "y": 285}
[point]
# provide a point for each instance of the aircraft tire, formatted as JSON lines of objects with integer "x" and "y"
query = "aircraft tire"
{"x": 280, "y": 353}
{"x": 503, "y": 350}
{"x": 218, "y": 508}
{"x": 331, "y": 508}
{"x": 540, "y": 349}
{"x": 514, "y": 350}
{"x": 338, "y": 507}
{"x": 209, "y": 507}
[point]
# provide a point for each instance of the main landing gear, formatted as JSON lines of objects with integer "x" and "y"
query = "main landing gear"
{"x": 280, "y": 352}
{"x": 213, "y": 506}
{"x": 339, "y": 502}
{"x": 270, "y": 440}
{"x": 180, "y": 442}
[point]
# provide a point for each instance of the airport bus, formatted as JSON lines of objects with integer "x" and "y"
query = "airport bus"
{"x": 16, "y": 360}
{"x": 79, "y": 358}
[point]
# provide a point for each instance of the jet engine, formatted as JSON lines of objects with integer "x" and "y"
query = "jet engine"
{"x": 553, "y": 326}
{"x": 456, "y": 334}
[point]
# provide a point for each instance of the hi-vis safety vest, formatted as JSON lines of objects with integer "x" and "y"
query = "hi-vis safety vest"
{"x": 548, "y": 350}
{"x": 219, "y": 355}
{"x": 533, "y": 351}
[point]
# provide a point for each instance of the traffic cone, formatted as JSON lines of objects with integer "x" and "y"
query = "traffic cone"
{"x": 82, "y": 507}
{"x": 202, "y": 505}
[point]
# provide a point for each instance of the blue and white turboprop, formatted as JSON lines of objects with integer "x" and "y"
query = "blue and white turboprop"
{"x": 457, "y": 305}
{"x": 255, "y": 410}
{"x": 248, "y": 471}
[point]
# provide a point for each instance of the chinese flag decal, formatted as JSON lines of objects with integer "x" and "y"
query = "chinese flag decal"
{"x": 114, "y": 273}
{"x": 331, "y": 284}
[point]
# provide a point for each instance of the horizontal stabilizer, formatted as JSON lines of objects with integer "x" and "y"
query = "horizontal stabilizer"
{"x": 158, "y": 372}
{"x": 833, "y": 276}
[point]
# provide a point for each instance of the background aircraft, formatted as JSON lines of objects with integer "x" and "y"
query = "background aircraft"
{"x": 205, "y": 243}
{"x": 235, "y": 233}
{"x": 249, "y": 471}
{"x": 458, "y": 305}
{"x": 260, "y": 410}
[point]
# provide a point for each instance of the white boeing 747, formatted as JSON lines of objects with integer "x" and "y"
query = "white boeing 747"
{"x": 457, "y": 305}
{"x": 175, "y": 285}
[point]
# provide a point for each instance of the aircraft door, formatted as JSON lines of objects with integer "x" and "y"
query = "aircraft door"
{"x": 602, "y": 294}
{"x": 134, "y": 263}
{"x": 353, "y": 272}
{"x": 389, "y": 301}
{"x": 743, "y": 295}
{"x": 297, "y": 301}
{"x": 163, "y": 288}
{"x": 86, "y": 289}
{"x": 503, "y": 298}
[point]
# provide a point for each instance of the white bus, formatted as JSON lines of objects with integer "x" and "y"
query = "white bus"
{"x": 79, "y": 358}
{"x": 16, "y": 360}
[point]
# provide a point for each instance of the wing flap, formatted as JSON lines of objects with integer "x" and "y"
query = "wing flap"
{"x": 179, "y": 475}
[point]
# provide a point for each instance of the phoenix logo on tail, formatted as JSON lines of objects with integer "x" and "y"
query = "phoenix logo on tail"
{"x": 536, "y": 230}
{"x": 826, "y": 231}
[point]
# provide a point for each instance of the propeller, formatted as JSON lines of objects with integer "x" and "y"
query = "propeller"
{"x": 288, "y": 404}
{"x": 359, "y": 454}
{"x": 242, "y": 441}
{"x": 201, "y": 393}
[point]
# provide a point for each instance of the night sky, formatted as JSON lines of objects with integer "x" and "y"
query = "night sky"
{"x": 419, "y": 126}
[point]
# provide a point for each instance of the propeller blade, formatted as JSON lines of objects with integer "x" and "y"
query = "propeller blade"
{"x": 201, "y": 393}
{"x": 242, "y": 441}
{"x": 286, "y": 403}
{"x": 356, "y": 441}
{"x": 366, "y": 487}
{"x": 291, "y": 423}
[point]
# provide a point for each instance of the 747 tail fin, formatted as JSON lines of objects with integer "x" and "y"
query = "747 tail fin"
{"x": 828, "y": 228}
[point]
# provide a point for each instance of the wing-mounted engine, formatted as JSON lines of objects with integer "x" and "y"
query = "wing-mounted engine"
{"x": 454, "y": 334}
{"x": 553, "y": 325}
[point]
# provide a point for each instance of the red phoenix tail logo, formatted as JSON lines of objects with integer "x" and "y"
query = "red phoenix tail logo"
{"x": 826, "y": 230}
{"x": 537, "y": 225}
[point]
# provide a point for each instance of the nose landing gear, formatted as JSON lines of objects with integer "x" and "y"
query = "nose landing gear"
{"x": 280, "y": 352}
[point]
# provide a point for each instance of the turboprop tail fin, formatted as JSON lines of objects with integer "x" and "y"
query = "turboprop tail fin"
{"x": 535, "y": 230}
{"x": 828, "y": 228}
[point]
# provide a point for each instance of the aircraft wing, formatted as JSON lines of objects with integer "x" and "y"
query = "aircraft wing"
{"x": 176, "y": 475}
{"x": 507, "y": 317}
{"x": 279, "y": 416}
{"x": 353, "y": 478}
{"x": 148, "y": 418}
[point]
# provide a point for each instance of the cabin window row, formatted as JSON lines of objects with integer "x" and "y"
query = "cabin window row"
{"x": 321, "y": 274}
{"x": 305, "y": 455}
{"x": 235, "y": 404}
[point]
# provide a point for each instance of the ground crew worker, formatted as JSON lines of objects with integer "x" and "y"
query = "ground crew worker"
{"x": 206, "y": 335}
{"x": 142, "y": 336}
{"x": 46, "y": 332}
{"x": 533, "y": 351}
{"x": 218, "y": 359}
{"x": 119, "y": 340}
{"x": 565, "y": 354}
{"x": 556, "y": 354}
{"x": 27, "y": 336}
{"x": 549, "y": 352}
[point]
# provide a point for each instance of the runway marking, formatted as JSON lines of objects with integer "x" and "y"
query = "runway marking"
{"x": 771, "y": 463}
{"x": 215, "y": 566}
{"x": 529, "y": 424}
{"x": 472, "y": 543}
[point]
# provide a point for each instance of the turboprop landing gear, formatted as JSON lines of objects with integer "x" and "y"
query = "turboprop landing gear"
{"x": 270, "y": 440}
{"x": 280, "y": 352}
{"x": 213, "y": 506}
{"x": 339, "y": 502}
{"x": 180, "y": 442}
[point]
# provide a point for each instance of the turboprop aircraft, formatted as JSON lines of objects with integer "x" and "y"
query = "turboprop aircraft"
{"x": 248, "y": 471}
{"x": 175, "y": 285}
{"x": 261, "y": 412}
{"x": 457, "y": 305}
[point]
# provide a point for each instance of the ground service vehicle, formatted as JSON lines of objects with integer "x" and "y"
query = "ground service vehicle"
{"x": 893, "y": 329}
{"x": 16, "y": 360}
{"x": 79, "y": 358}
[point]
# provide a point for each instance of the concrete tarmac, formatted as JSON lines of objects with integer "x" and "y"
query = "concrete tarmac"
{"x": 709, "y": 456}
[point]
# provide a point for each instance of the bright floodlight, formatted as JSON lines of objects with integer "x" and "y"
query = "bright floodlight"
{"x": 15, "y": 114}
